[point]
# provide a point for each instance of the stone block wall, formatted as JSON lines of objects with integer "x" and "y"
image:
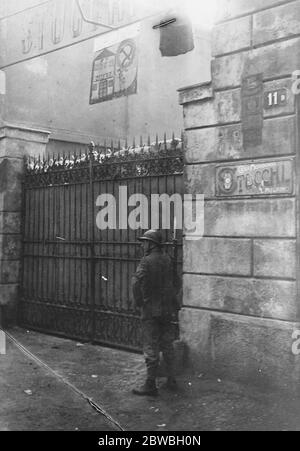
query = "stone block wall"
{"x": 15, "y": 144}
{"x": 241, "y": 280}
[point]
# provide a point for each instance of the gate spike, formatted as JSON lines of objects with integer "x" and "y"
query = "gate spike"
{"x": 112, "y": 146}
{"x": 165, "y": 141}
{"x": 141, "y": 141}
{"x": 156, "y": 141}
{"x": 182, "y": 140}
{"x": 173, "y": 139}
{"x": 149, "y": 141}
{"x": 133, "y": 144}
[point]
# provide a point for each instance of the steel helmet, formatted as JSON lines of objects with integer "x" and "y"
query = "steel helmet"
{"x": 152, "y": 235}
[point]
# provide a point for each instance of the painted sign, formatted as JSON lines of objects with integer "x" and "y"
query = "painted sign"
{"x": 254, "y": 179}
{"x": 114, "y": 72}
{"x": 275, "y": 98}
{"x": 58, "y": 23}
{"x": 252, "y": 110}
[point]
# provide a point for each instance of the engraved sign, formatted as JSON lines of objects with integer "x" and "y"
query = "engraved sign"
{"x": 276, "y": 98}
{"x": 254, "y": 179}
{"x": 252, "y": 110}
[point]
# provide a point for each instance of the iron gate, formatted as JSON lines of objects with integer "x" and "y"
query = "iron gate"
{"x": 75, "y": 277}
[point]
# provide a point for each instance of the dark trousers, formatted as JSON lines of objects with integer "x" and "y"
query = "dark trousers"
{"x": 158, "y": 335}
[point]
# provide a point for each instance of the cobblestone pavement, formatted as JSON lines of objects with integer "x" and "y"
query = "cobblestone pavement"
{"x": 108, "y": 376}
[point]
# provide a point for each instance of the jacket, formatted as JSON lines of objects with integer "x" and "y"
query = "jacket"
{"x": 153, "y": 289}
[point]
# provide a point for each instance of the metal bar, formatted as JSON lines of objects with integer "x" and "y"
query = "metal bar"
{"x": 34, "y": 263}
{"x": 48, "y": 235}
{"x": 42, "y": 233}
{"x": 92, "y": 239}
{"x": 107, "y": 300}
{"x": 69, "y": 270}
{"x": 58, "y": 233}
{"x": 75, "y": 283}
{"x": 69, "y": 306}
{"x": 64, "y": 249}
{"x": 22, "y": 265}
{"x": 120, "y": 266}
{"x": 80, "y": 239}
{"x": 114, "y": 264}
{"x": 88, "y": 257}
{"x": 53, "y": 230}
{"x": 84, "y": 243}
{"x": 88, "y": 248}
{"x": 33, "y": 187}
{"x": 164, "y": 23}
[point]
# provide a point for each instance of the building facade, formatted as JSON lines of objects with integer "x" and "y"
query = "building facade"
{"x": 58, "y": 79}
{"x": 241, "y": 282}
{"x": 240, "y": 317}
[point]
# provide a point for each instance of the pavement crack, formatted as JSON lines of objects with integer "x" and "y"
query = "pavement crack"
{"x": 80, "y": 393}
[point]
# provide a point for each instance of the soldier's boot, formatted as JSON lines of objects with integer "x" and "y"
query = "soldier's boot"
{"x": 147, "y": 389}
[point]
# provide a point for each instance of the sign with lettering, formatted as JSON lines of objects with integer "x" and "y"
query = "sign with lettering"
{"x": 252, "y": 110}
{"x": 58, "y": 23}
{"x": 276, "y": 98}
{"x": 114, "y": 72}
{"x": 255, "y": 179}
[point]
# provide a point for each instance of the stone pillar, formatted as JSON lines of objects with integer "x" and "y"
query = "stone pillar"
{"x": 15, "y": 143}
{"x": 241, "y": 280}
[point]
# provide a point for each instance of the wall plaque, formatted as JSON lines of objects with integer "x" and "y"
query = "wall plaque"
{"x": 275, "y": 98}
{"x": 114, "y": 72}
{"x": 254, "y": 179}
{"x": 252, "y": 110}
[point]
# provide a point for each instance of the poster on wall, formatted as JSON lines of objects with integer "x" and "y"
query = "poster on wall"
{"x": 114, "y": 72}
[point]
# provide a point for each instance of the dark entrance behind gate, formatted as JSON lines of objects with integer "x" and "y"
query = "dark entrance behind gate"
{"x": 75, "y": 277}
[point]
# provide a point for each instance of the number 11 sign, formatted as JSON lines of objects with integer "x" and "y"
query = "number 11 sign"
{"x": 276, "y": 98}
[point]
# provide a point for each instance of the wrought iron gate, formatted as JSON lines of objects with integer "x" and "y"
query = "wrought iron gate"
{"x": 75, "y": 277}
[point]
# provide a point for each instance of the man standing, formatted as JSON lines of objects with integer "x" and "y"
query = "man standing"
{"x": 155, "y": 295}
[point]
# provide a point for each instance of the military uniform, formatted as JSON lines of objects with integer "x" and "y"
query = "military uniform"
{"x": 155, "y": 295}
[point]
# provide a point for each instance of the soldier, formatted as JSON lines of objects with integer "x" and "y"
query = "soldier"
{"x": 155, "y": 295}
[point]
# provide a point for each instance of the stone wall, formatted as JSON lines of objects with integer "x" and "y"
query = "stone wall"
{"x": 15, "y": 144}
{"x": 241, "y": 302}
